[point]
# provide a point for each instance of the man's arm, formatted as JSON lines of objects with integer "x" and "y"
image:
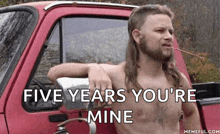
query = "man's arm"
{"x": 191, "y": 118}
{"x": 68, "y": 70}
{"x": 98, "y": 77}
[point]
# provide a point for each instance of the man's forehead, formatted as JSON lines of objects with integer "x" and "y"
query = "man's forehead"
{"x": 158, "y": 20}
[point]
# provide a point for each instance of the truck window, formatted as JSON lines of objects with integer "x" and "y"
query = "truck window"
{"x": 49, "y": 57}
{"x": 90, "y": 40}
{"x": 13, "y": 29}
{"x": 77, "y": 39}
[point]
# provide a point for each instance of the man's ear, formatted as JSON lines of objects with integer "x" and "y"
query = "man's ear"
{"x": 136, "y": 35}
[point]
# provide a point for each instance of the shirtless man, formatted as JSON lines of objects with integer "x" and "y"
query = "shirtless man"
{"x": 149, "y": 64}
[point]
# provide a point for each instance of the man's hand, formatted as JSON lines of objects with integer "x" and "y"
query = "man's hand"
{"x": 98, "y": 79}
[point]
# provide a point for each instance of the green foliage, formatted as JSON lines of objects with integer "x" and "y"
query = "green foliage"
{"x": 3, "y": 3}
{"x": 201, "y": 69}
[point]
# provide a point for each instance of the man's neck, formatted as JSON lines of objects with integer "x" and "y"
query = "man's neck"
{"x": 149, "y": 67}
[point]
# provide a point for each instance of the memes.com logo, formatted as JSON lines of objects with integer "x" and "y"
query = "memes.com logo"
{"x": 202, "y": 131}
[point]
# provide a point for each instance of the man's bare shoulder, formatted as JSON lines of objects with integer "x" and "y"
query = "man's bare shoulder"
{"x": 184, "y": 82}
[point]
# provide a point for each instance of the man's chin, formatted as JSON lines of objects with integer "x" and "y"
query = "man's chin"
{"x": 166, "y": 53}
{"x": 167, "y": 58}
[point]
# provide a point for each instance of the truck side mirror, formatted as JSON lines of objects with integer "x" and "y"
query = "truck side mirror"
{"x": 70, "y": 87}
{"x": 74, "y": 90}
{"x": 73, "y": 87}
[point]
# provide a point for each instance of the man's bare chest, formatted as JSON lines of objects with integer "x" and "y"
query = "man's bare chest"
{"x": 155, "y": 103}
{"x": 150, "y": 112}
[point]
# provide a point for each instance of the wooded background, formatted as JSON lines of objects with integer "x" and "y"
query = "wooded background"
{"x": 197, "y": 30}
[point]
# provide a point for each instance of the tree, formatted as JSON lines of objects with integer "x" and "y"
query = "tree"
{"x": 200, "y": 69}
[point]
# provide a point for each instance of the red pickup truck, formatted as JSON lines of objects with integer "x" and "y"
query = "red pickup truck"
{"x": 36, "y": 36}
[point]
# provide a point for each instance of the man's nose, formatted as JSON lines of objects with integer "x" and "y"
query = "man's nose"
{"x": 168, "y": 36}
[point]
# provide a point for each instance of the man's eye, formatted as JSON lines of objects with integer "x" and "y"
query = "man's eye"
{"x": 171, "y": 32}
{"x": 160, "y": 30}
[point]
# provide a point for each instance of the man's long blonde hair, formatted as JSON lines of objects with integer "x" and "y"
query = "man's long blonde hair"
{"x": 136, "y": 20}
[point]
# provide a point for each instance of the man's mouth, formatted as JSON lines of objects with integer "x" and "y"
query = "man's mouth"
{"x": 166, "y": 45}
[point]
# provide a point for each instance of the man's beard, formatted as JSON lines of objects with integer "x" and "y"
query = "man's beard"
{"x": 157, "y": 55}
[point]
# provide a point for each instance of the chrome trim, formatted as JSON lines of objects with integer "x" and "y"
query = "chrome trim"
{"x": 88, "y": 3}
